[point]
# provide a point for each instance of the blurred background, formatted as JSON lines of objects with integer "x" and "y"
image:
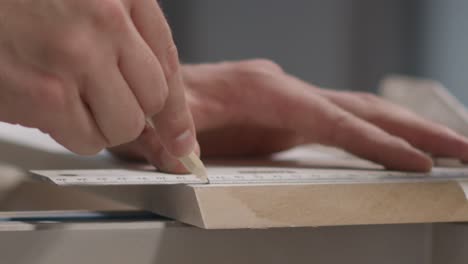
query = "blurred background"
{"x": 333, "y": 43}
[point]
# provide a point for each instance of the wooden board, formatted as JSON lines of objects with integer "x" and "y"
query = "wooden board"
{"x": 290, "y": 205}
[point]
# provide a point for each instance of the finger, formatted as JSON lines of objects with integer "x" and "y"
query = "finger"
{"x": 150, "y": 22}
{"x": 151, "y": 148}
{"x": 53, "y": 106}
{"x": 320, "y": 121}
{"x": 430, "y": 137}
{"x": 422, "y": 133}
{"x": 77, "y": 130}
{"x": 143, "y": 73}
{"x": 174, "y": 124}
{"x": 113, "y": 106}
{"x": 366, "y": 140}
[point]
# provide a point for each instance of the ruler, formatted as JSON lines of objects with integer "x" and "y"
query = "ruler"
{"x": 245, "y": 175}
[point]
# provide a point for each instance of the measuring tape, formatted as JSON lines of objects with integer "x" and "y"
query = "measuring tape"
{"x": 245, "y": 175}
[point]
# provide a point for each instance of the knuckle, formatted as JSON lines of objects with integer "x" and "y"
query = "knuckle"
{"x": 50, "y": 93}
{"x": 171, "y": 66}
{"x": 258, "y": 69}
{"x": 266, "y": 65}
{"x": 74, "y": 49}
{"x": 109, "y": 14}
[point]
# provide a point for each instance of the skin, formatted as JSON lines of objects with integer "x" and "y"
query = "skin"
{"x": 89, "y": 72}
{"x": 255, "y": 108}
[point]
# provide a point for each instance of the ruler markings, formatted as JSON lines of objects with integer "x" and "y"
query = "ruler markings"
{"x": 246, "y": 175}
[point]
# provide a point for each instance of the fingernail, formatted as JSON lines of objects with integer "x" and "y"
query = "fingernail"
{"x": 184, "y": 143}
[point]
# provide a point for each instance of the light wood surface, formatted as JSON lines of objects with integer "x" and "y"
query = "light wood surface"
{"x": 289, "y": 205}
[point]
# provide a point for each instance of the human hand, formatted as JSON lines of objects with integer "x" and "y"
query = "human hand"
{"x": 89, "y": 72}
{"x": 254, "y": 108}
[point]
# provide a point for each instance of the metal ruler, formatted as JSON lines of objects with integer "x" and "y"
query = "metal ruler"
{"x": 245, "y": 175}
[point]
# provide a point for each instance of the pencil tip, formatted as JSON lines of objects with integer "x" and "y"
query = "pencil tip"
{"x": 201, "y": 173}
{"x": 195, "y": 166}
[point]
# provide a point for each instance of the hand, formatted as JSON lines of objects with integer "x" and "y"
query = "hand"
{"x": 89, "y": 72}
{"x": 254, "y": 108}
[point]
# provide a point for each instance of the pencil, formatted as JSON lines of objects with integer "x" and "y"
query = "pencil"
{"x": 191, "y": 162}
